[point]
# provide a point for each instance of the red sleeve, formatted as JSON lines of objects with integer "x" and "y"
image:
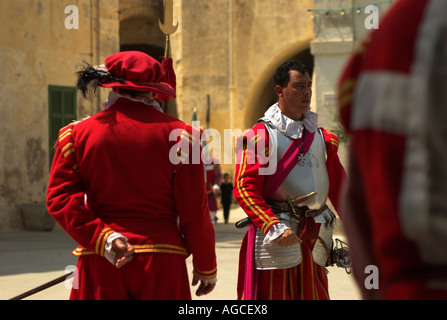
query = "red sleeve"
{"x": 336, "y": 172}
{"x": 192, "y": 205}
{"x": 65, "y": 197}
{"x": 251, "y": 149}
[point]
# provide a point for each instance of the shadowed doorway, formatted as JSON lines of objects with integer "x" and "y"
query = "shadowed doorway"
{"x": 141, "y": 32}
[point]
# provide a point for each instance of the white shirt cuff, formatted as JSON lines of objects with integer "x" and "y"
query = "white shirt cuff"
{"x": 109, "y": 254}
{"x": 205, "y": 281}
{"x": 274, "y": 233}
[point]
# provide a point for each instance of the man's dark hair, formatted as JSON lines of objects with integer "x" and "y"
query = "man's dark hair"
{"x": 282, "y": 74}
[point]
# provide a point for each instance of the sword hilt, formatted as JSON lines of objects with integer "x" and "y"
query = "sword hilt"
{"x": 298, "y": 200}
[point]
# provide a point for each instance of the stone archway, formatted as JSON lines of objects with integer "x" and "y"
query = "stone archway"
{"x": 139, "y": 22}
{"x": 140, "y": 31}
{"x": 262, "y": 95}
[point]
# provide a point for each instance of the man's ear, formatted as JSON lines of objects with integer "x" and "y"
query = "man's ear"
{"x": 278, "y": 90}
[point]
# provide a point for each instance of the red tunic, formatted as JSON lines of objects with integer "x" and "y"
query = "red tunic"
{"x": 120, "y": 159}
{"x": 213, "y": 177}
{"x": 307, "y": 280}
{"x": 384, "y": 113}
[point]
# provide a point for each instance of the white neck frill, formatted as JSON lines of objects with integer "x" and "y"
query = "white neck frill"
{"x": 115, "y": 96}
{"x": 289, "y": 127}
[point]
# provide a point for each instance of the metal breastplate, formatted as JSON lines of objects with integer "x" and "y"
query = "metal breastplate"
{"x": 309, "y": 175}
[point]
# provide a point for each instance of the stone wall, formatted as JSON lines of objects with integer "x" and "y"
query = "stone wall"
{"x": 225, "y": 53}
{"x": 36, "y": 51}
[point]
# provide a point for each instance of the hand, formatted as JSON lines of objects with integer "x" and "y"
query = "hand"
{"x": 287, "y": 239}
{"x": 123, "y": 252}
{"x": 203, "y": 289}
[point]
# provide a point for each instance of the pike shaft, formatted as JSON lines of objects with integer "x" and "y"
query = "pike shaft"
{"x": 43, "y": 287}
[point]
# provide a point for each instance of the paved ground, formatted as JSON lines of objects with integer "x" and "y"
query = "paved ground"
{"x": 29, "y": 259}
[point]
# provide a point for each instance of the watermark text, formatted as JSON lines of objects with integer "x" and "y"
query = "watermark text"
{"x": 72, "y": 20}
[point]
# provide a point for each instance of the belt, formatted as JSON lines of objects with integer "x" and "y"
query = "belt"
{"x": 300, "y": 211}
{"x": 291, "y": 207}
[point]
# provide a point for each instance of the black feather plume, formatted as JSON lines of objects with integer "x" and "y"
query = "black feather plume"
{"x": 89, "y": 78}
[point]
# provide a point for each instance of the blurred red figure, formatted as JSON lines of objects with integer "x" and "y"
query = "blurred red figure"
{"x": 393, "y": 99}
{"x": 213, "y": 180}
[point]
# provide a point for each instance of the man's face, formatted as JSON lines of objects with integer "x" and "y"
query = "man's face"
{"x": 294, "y": 100}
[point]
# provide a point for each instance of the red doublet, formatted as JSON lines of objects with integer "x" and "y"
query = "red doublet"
{"x": 379, "y": 76}
{"x": 307, "y": 280}
{"x": 120, "y": 159}
{"x": 213, "y": 177}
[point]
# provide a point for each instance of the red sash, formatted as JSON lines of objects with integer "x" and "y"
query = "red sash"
{"x": 287, "y": 162}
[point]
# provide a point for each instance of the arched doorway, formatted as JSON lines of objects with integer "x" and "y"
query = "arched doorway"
{"x": 262, "y": 93}
{"x": 140, "y": 31}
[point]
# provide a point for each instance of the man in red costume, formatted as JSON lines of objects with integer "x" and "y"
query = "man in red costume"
{"x": 393, "y": 101}
{"x": 286, "y": 157}
{"x": 123, "y": 186}
{"x": 213, "y": 179}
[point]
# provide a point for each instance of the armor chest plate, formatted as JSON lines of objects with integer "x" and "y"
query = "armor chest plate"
{"x": 309, "y": 175}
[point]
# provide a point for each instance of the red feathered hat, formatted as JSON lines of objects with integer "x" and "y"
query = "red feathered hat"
{"x": 141, "y": 72}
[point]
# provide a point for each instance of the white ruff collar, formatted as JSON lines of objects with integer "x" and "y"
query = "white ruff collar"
{"x": 114, "y": 96}
{"x": 291, "y": 128}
